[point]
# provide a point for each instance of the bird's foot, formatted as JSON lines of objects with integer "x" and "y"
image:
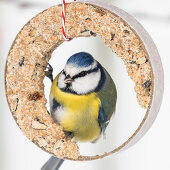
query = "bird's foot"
{"x": 49, "y": 72}
{"x": 69, "y": 134}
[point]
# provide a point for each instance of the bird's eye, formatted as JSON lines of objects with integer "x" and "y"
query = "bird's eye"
{"x": 64, "y": 72}
{"x": 82, "y": 74}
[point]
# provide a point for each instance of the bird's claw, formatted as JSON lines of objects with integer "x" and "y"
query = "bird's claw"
{"x": 68, "y": 134}
{"x": 49, "y": 72}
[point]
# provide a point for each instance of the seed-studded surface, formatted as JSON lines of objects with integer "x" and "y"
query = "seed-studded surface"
{"x": 32, "y": 50}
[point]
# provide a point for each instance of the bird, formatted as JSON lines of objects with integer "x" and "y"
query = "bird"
{"x": 82, "y": 99}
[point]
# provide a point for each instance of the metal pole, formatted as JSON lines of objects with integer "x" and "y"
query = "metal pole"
{"x": 53, "y": 164}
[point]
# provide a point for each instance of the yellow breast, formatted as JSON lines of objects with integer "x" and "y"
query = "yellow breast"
{"x": 81, "y": 116}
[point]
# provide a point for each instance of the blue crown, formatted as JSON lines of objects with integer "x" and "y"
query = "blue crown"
{"x": 81, "y": 59}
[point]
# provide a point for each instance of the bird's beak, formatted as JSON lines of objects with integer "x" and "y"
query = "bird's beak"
{"x": 68, "y": 80}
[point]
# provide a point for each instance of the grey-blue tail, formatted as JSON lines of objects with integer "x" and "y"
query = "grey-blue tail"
{"x": 53, "y": 164}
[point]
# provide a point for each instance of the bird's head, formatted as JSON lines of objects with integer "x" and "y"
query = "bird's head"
{"x": 81, "y": 75}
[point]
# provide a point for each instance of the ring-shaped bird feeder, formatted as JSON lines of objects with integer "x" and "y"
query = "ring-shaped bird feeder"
{"x": 32, "y": 49}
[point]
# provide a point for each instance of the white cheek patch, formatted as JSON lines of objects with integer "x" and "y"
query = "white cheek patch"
{"x": 84, "y": 85}
{"x": 61, "y": 83}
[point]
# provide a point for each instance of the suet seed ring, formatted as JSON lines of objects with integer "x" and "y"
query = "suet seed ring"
{"x": 32, "y": 49}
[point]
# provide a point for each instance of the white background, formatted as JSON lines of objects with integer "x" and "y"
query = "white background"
{"x": 151, "y": 152}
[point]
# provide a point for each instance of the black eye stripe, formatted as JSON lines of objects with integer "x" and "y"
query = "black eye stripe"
{"x": 83, "y": 73}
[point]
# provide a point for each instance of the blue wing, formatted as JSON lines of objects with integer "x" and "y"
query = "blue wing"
{"x": 108, "y": 97}
{"x": 103, "y": 120}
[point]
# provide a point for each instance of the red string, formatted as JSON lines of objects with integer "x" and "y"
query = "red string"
{"x": 63, "y": 22}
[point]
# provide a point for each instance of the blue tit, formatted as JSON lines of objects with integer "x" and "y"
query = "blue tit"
{"x": 83, "y": 98}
